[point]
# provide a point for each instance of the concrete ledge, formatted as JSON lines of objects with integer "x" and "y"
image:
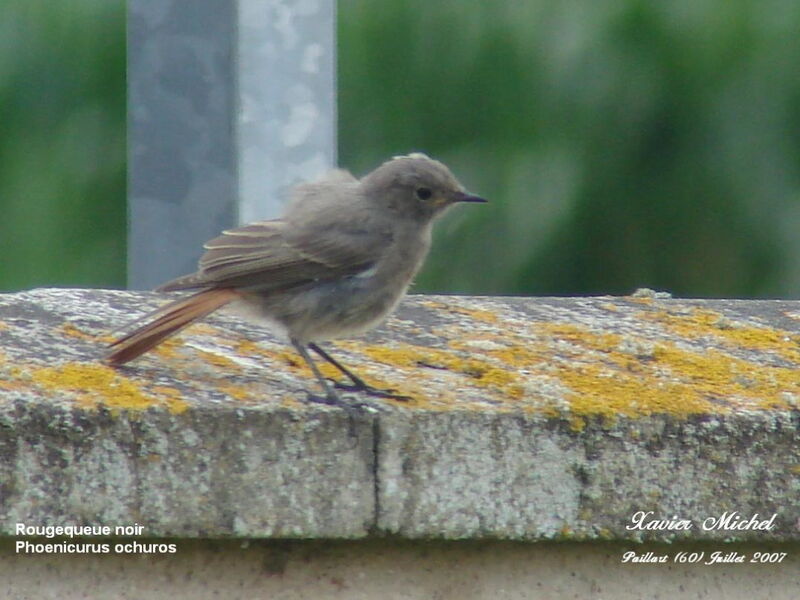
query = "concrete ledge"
{"x": 532, "y": 419}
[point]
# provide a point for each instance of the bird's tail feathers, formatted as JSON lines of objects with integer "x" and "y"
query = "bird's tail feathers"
{"x": 169, "y": 320}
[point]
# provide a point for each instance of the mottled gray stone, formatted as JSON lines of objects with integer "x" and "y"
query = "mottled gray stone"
{"x": 531, "y": 419}
{"x": 468, "y": 476}
{"x": 209, "y": 472}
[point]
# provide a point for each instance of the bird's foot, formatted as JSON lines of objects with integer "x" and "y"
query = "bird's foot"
{"x": 371, "y": 390}
{"x": 328, "y": 399}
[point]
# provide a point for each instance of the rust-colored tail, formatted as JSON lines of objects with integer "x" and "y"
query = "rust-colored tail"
{"x": 171, "y": 319}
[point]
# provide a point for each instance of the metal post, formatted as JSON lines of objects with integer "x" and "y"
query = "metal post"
{"x": 229, "y": 103}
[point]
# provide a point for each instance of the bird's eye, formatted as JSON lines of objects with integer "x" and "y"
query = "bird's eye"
{"x": 424, "y": 193}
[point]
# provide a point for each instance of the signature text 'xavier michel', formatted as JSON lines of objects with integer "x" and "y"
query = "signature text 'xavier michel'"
{"x": 727, "y": 521}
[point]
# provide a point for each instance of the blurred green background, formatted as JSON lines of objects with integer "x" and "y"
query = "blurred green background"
{"x": 623, "y": 143}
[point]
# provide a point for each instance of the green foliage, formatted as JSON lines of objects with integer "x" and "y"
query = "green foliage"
{"x": 62, "y": 143}
{"x": 623, "y": 143}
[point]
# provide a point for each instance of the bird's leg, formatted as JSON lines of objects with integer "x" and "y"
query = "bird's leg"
{"x": 357, "y": 381}
{"x": 359, "y": 385}
{"x": 331, "y": 397}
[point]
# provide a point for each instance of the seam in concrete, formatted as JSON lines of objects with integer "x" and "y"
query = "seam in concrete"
{"x": 376, "y": 482}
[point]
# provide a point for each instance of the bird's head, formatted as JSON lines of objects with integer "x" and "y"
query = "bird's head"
{"x": 415, "y": 186}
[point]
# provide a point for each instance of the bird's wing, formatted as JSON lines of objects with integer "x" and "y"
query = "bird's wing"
{"x": 276, "y": 255}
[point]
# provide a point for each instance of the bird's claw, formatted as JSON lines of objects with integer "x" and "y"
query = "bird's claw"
{"x": 370, "y": 390}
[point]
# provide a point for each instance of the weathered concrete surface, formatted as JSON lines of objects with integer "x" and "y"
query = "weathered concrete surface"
{"x": 466, "y": 475}
{"x": 209, "y": 472}
{"x": 366, "y": 570}
{"x": 532, "y": 419}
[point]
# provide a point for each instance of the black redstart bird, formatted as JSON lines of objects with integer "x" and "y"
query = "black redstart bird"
{"x": 336, "y": 264}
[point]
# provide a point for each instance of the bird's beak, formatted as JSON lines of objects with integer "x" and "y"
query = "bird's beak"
{"x": 464, "y": 197}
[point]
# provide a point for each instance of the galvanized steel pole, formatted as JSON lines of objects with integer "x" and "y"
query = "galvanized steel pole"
{"x": 229, "y": 103}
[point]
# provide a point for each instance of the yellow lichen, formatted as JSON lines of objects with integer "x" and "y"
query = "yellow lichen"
{"x": 296, "y": 362}
{"x": 70, "y": 330}
{"x": 478, "y": 372}
{"x": 172, "y": 397}
{"x": 473, "y": 313}
{"x": 249, "y": 347}
{"x": 288, "y": 401}
{"x": 168, "y": 349}
{"x": 708, "y": 323}
{"x": 95, "y": 384}
{"x": 567, "y": 370}
{"x": 218, "y": 360}
{"x": 237, "y": 392}
{"x": 675, "y": 381}
{"x": 204, "y": 329}
{"x": 577, "y": 423}
{"x": 577, "y": 372}
{"x": 610, "y": 307}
